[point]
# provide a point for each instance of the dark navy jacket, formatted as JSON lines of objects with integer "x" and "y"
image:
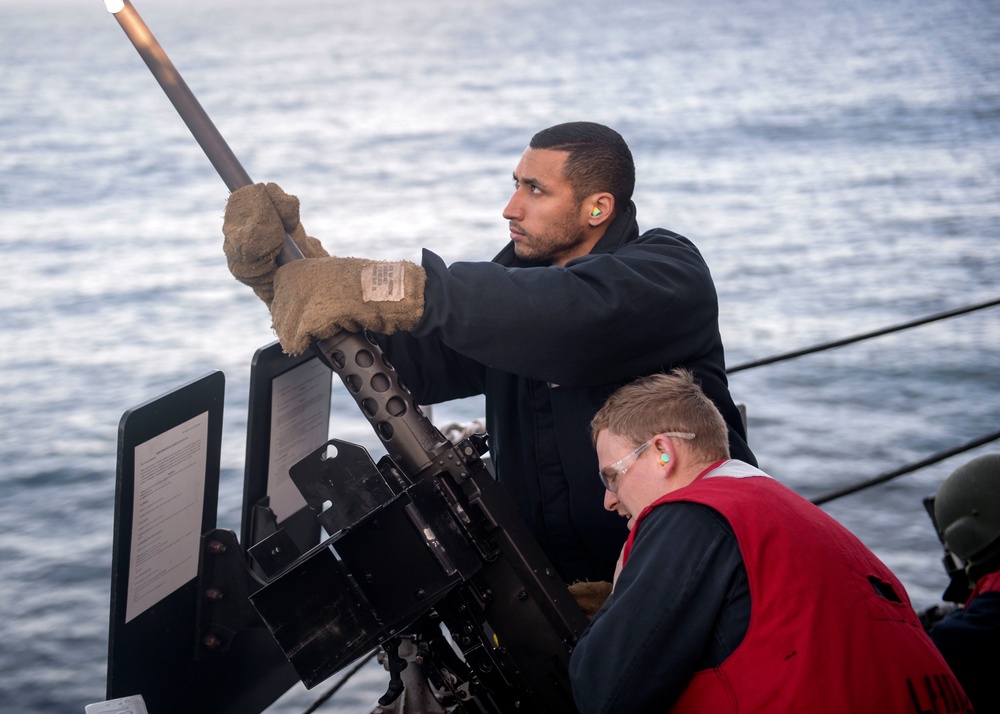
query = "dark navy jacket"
{"x": 547, "y": 345}
{"x": 969, "y": 639}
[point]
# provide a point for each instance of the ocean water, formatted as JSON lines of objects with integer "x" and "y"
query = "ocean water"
{"x": 837, "y": 162}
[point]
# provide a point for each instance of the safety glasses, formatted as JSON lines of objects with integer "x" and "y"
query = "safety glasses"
{"x": 612, "y": 472}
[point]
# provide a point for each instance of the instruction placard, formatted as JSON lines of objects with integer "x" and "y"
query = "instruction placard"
{"x": 166, "y": 529}
{"x": 300, "y": 423}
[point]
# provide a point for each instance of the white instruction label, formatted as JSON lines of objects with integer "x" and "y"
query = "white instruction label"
{"x": 167, "y": 512}
{"x": 300, "y": 423}
{"x": 383, "y": 282}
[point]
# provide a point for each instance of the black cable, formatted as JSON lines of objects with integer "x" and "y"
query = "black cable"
{"x": 940, "y": 456}
{"x": 863, "y": 336}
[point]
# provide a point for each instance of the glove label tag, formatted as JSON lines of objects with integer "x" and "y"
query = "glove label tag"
{"x": 382, "y": 282}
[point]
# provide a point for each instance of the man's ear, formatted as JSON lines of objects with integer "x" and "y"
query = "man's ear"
{"x": 599, "y": 208}
{"x": 667, "y": 454}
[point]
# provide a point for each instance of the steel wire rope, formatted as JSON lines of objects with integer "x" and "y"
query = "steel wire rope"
{"x": 909, "y": 468}
{"x": 916, "y": 465}
{"x": 863, "y": 336}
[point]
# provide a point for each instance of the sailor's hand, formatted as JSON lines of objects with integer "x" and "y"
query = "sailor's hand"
{"x": 315, "y": 299}
{"x": 590, "y": 596}
{"x": 256, "y": 221}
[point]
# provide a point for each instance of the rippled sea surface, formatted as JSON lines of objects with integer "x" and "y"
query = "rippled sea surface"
{"x": 837, "y": 162}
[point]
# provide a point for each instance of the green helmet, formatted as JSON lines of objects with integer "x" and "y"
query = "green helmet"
{"x": 967, "y": 509}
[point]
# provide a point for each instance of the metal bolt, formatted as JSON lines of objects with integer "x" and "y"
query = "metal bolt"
{"x": 216, "y": 546}
{"x": 213, "y": 594}
{"x": 211, "y": 642}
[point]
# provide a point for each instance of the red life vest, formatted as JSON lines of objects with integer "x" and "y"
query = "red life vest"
{"x": 831, "y": 628}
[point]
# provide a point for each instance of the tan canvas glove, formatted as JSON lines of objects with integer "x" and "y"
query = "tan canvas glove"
{"x": 257, "y": 218}
{"x": 315, "y": 299}
{"x": 590, "y": 596}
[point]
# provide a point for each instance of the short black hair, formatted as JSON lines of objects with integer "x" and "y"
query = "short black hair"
{"x": 599, "y": 159}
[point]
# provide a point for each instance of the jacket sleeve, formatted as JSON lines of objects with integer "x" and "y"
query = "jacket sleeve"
{"x": 663, "y": 618}
{"x": 598, "y": 319}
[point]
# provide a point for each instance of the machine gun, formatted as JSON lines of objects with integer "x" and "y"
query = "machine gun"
{"x": 425, "y": 541}
{"x": 437, "y": 558}
{"x": 423, "y": 547}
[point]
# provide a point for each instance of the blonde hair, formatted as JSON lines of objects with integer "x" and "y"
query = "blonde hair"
{"x": 665, "y": 402}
